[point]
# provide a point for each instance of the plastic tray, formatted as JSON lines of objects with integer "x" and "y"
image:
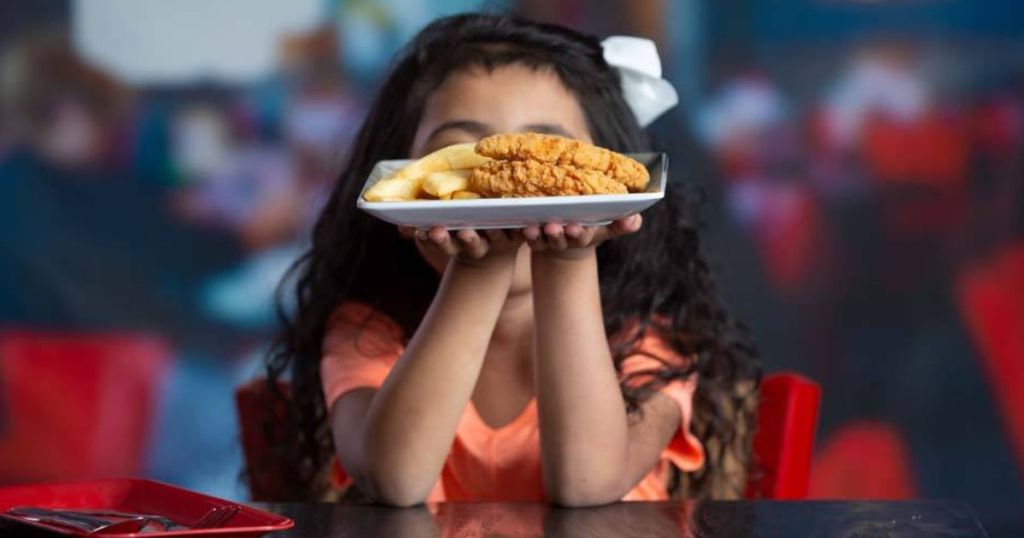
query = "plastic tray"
{"x": 140, "y": 496}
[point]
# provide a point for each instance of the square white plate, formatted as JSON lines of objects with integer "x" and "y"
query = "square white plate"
{"x": 483, "y": 213}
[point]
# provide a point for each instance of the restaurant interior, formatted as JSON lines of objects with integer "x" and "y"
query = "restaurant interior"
{"x": 860, "y": 165}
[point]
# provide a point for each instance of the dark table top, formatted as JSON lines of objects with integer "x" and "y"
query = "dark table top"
{"x": 646, "y": 519}
{"x": 718, "y": 518}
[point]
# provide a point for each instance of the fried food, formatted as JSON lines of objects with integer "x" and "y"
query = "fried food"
{"x": 563, "y": 151}
{"x": 407, "y": 183}
{"x": 498, "y": 179}
{"x": 443, "y": 184}
{"x": 393, "y": 190}
{"x": 513, "y": 165}
{"x": 455, "y": 157}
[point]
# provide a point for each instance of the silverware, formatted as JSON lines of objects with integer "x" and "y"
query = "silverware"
{"x": 167, "y": 523}
{"x": 92, "y": 525}
{"x": 216, "y": 517}
{"x": 89, "y": 520}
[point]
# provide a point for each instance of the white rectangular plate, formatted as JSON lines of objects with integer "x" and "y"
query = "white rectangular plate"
{"x": 483, "y": 213}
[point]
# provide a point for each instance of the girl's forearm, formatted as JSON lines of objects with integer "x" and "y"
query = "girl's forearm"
{"x": 412, "y": 419}
{"x": 583, "y": 426}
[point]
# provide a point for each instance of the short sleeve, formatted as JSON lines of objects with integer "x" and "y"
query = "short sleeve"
{"x": 360, "y": 347}
{"x": 651, "y": 355}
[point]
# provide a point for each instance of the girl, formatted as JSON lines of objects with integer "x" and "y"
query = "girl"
{"x": 573, "y": 364}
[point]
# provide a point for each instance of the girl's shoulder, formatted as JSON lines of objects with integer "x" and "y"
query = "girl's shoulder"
{"x": 648, "y": 346}
{"x": 354, "y": 315}
{"x": 360, "y": 347}
{"x": 362, "y": 326}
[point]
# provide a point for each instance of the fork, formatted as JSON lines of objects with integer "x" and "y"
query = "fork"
{"x": 216, "y": 517}
{"x": 81, "y": 522}
{"x": 165, "y": 522}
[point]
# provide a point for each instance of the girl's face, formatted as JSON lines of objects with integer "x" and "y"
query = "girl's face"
{"x": 476, "y": 103}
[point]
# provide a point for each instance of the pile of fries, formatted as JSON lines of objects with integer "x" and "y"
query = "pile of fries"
{"x": 441, "y": 175}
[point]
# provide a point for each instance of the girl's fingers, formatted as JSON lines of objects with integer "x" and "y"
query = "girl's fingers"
{"x": 534, "y": 238}
{"x": 501, "y": 239}
{"x": 550, "y": 236}
{"x": 496, "y": 238}
{"x": 531, "y": 233}
{"x": 626, "y": 226}
{"x": 407, "y": 232}
{"x": 555, "y": 235}
{"x": 601, "y": 234}
{"x": 472, "y": 244}
{"x": 442, "y": 240}
{"x": 617, "y": 228}
{"x": 515, "y": 236}
{"x": 437, "y": 235}
{"x": 579, "y": 236}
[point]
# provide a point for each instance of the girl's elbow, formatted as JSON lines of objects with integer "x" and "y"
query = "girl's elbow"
{"x": 585, "y": 494}
{"x": 584, "y": 499}
{"x": 391, "y": 478}
{"x": 400, "y": 499}
{"x": 393, "y": 491}
{"x": 395, "y": 482}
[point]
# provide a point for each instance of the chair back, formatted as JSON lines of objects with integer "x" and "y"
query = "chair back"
{"x": 991, "y": 298}
{"x": 784, "y": 443}
{"x": 77, "y": 405}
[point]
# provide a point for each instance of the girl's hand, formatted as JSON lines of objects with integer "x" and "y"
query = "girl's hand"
{"x": 466, "y": 244}
{"x": 573, "y": 239}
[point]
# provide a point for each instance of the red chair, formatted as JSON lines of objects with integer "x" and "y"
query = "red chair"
{"x": 256, "y": 408}
{"x": 991, "y": 297}
{"x": 840, "y": 472}
{"x": 76, "y": 406}
{"x": 788, "y": 418}
{"x": 784, "y": 444}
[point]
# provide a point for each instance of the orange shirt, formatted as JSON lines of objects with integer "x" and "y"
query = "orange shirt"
{"x": 488, "y": 464}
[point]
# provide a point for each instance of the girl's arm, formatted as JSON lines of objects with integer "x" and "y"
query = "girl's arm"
{"x": 394, "y": 440}
{"x": 591, "y": 454}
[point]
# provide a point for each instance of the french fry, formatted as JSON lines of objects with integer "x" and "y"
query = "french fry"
{"x": 447, "y": 170}
{"x": 463, "y": 156}
{"x": 465, "y": 195}
{"x": 455, "y": 157}
{"x": 441, "y": 184}
{"x": 392, "y": 190}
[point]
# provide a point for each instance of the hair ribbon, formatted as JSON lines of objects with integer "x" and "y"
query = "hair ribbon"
{"x": 636, "y": 58}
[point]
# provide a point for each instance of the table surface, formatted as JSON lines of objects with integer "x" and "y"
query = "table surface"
{"x": 648, "y": 519}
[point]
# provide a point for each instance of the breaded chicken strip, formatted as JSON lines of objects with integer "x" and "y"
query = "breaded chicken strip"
{"x": 565, "y": 151}
{"x": 497, "y": 179}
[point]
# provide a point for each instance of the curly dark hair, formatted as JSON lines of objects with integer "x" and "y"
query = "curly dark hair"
{"x": 656, "y": 278}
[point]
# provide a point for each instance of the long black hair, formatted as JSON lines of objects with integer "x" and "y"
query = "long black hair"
{"x": 656, "y": 278}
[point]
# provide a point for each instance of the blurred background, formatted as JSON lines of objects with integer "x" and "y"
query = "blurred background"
{"x": 161, "y": 164}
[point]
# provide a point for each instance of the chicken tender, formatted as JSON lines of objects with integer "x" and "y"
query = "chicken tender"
{"x": 496, "y": 179}
{"x": 563, "y": 151}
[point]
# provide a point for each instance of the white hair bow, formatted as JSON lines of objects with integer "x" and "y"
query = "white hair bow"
{"x": 647, "y": 94}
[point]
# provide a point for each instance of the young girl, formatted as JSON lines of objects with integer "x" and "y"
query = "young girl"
{"x": 578, "y": 365}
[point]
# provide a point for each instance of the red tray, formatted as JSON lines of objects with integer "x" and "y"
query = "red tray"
{"x": 140, "y": 496}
